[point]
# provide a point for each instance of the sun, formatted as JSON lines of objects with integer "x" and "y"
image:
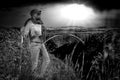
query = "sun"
{"x": 76, "y": 12}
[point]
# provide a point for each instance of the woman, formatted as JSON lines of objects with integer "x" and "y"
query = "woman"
{"x": 33, "y": 28}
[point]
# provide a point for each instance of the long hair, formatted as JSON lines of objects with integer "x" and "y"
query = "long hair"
{"x": 26, "y": 22}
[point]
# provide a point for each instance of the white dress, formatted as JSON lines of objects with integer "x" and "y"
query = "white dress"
{"x": 36, "y": 30}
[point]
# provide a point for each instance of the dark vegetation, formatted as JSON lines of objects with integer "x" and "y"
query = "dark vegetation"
{"x": 96, "y": 58}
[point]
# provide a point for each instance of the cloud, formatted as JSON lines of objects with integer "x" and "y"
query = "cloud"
{"x": 17, "y": 16}
{"x": 110, "y": 17}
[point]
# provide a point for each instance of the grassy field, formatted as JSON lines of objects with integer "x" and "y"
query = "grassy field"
{"x": 98, "y": 58}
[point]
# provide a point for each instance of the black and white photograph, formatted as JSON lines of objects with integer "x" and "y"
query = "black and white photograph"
{"x": 59, "y": 40}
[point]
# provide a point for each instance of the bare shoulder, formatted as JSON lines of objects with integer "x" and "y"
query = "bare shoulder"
{"x": 25, "y": 25}
{"x": 28, "y": 21}
{"x": 22, "y": 29}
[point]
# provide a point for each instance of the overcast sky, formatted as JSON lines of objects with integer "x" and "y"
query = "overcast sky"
{"x": 16, "y": 16}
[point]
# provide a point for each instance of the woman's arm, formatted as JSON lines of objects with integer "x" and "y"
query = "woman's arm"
{"x": 44, "y": 32}
{"x": 21, "y": 32}
{"x": 26, "y": 28}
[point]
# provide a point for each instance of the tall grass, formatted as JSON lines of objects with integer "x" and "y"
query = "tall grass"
{"x": 99, "y": 58}
{"x": 104, "y": 65}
